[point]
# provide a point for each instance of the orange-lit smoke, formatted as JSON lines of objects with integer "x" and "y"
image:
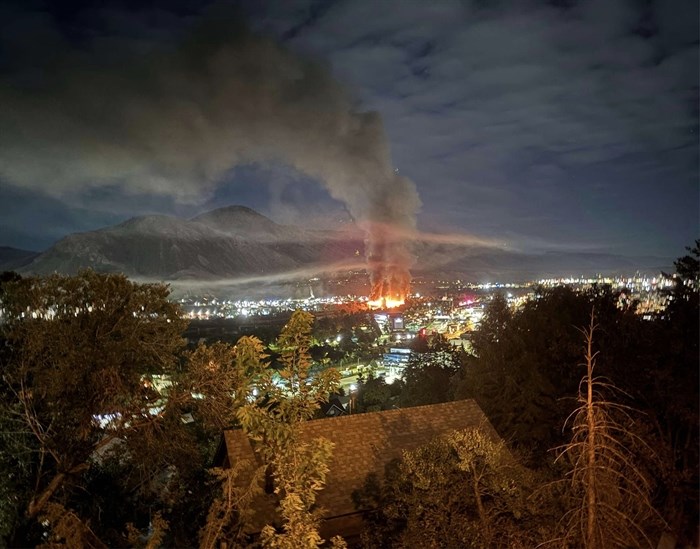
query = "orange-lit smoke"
{"x": 388, "y": 262}
{"x": 389, "y": 257}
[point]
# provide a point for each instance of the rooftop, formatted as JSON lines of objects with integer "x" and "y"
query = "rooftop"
{"x": 365, "y": 443}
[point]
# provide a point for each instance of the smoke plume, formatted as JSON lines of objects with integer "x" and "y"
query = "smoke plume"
{"x": 172, "y": 117}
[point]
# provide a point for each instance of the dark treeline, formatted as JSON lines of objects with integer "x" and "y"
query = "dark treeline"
{"x": 109, "y": 423}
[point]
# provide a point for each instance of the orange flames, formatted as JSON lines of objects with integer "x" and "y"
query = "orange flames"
{"x": 385, "y": 303}
{"x": 388, "y": 262}
{"x": 389, "y": 287}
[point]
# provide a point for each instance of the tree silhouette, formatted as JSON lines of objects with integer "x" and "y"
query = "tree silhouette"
{"x": 609, "y": 491}
{"x": 80, "y": 352}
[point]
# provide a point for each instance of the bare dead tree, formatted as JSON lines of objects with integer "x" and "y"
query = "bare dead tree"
{"x": 609, "y": 492}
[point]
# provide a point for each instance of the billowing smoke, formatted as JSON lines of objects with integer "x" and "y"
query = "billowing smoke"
{"x": 173, "y": 116}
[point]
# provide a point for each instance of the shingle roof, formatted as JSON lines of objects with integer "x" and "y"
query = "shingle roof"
{"x": 365, "y": 443}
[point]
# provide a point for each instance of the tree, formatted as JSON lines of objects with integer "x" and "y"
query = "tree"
{"x": 219, "y": 379}
{"x": 460, "y": 490}
{"x": 610, "y": 493}
{"x": 374, "y": 394}
{"x": 81, "y": 351}
{"x": 6, "y": 277}
{"x": 523, "y": 381}
{"x": 669, "y": 388}
{"x": 688, "y": 266}
{"x": 272, "y": 421}
{"x": 429, "y": 376}
{"x": 17, "y": 449}
{"x": 520, "y": 377}
{"x": 497, "y": 316}
{"x": 231, "y": 512}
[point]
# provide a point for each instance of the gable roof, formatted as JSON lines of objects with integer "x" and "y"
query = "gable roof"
{"x": 365, "y": 443}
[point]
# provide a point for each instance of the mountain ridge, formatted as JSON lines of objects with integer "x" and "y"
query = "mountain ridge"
{"x": 236, "y": 241}
{"x": 15, "y": 258}
{"x": 218, "y": 244}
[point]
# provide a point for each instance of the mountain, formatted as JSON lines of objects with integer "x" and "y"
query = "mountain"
{"x": 242, "y": 221}
{"x": 236, "y": 242}
{"x": 224, "y": 243}
{"x": 14, "y": 258}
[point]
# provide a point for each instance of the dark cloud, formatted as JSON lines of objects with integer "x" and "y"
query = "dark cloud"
{"x": 549, "y": 125}
{"x": 34, "y": 221}
{"x": 172, "y": 117}
{"x": 282, "y": 193}
{"x": 531, "y": 117}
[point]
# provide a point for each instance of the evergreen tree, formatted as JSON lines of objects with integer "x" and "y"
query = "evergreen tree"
{"x": 430, "y": 376}
{"x": 521, "y": 377}
{"x": 669, "y": 387}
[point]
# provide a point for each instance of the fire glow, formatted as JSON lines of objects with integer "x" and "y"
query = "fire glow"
{"x": 388, "y": 262}
{"x": 385, "y": 303}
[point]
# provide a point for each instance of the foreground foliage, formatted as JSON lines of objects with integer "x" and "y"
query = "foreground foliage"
{"x": 461, "y": 490}
{"x": 108, "y": 425}
{"x": 273, "y": 419}
{"x": 77, "y": 352}
{"x": 608, "y": 491}
{"x": 524, "y": 378}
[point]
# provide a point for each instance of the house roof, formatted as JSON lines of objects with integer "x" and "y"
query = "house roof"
{"x": 365, "y": 443}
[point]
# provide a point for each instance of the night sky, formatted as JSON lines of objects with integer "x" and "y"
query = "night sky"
{"x": 539, "y": 126}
